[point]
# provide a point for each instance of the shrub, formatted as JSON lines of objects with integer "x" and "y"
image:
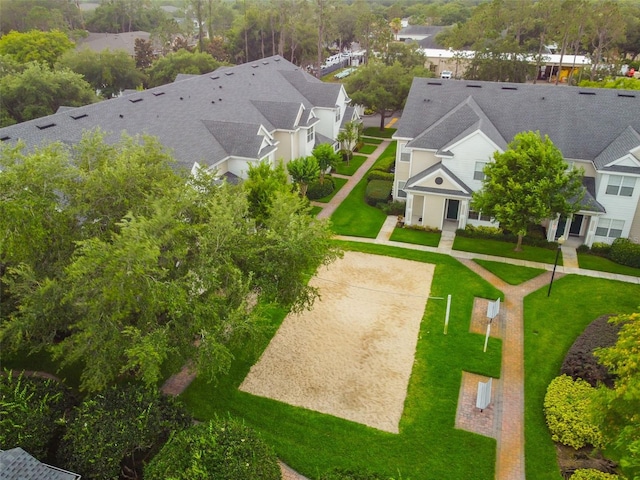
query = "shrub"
{"x": 344, "y": 474}
{"x": 600, "y": 248}
{"x": 107, "y": 429}
{"x": 533, "y": 238}
{"x": 393, "y": 208}
{"x": 592, "y": 474}
{"x": 625, "y": 252}
{"x": 379, "y": 175}
{"x": 385, "y": 164}
{"x": 32, "y": 411}
{"x": 566, "y": 406}
{"x": 378, "y": 191}
{"x": 317, "y": 190}
{"x": 219, "y": 449}
{"x": 580, "y": 361}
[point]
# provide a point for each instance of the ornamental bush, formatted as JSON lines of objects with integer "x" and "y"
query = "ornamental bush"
{"x": 379, "y": 175}
{"x": 114, "y": 430}
{"x": 625, "y": 252}
{"x": 318, "y": 190}
{"x": 566, "y": 406}
{"x": 225, "y": 449}
{"x": 32, "y": 412}
{"x": 378, "y": 191}
{"x": 592, "y": 474}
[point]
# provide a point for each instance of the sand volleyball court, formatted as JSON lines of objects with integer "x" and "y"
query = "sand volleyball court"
{"x": 351, "y": 355}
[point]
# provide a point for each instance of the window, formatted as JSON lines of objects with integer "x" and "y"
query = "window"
{"x": 609, "y": 228}
{"x": 310, "y": 135}
{"x": 478, "y": 173}
{"x": 401, "y": 192}
{"x": 337, "y": 113}
{"x": 405, "y": 155}
{"x": 619, "y": 185}
{"x": 479, "y": 216}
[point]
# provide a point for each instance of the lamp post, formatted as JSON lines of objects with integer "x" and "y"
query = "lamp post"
{"x": 555, "y": 264}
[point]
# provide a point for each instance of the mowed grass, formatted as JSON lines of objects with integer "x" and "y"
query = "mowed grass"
{"x": 338, "y": 183}
{"x": 601, "y": 264}
{"x": 372, "y": 141}
{"x": 551, "y": 325}
{"x": 512, "y": 274}
{"x": 416, "y": 237}
{"x": 377, "y": 133}
{"x": 505, "y": 249}
{"x": 367, "y": 149}
{"x": 354, "y": 164}
{"x": 428, "y": 445}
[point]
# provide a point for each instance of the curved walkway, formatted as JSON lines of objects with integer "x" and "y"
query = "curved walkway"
{"x": 508, "y": 400}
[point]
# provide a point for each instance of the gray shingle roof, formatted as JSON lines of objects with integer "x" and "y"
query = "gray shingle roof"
{"x": 464, "y": 191}
{"x": 16, "y": 464}
{"x": 628, "y": 140}
{"x": 178, "y": 113}
{"x": 582, "y": 122}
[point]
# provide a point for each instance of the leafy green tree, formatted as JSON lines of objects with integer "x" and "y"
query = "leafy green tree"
{"x": 396, "y": 26}
{"x": 116, "y": 16}
{"x": 303, "y": 171}
{"x": 218, "y": 449}
{"x": 349, "y": 137}
{"x": 111, "y": 433}
{"x": 618, "y": 408}
{"x": 38, "y": 91}
{"x": 22, "y": 16}
{"x": 166, "y": 69}
{"x": 262, "y": 183}
{"x": 35, "y": 46}
{"x": 32, "y": 412}
{"x": 528, "y": 183}
{"x": 327, "y": 158}
{"x": 623, "y": 83}
{"x": 381, "y": 88}
{"x": 108, "y": 71}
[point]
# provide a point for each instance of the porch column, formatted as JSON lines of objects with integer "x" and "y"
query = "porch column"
{"x": 408, "y": 210}
{"x": 464, "y": 212}
{"x": 591, "y": 230}
{"x": 551, "y": 231}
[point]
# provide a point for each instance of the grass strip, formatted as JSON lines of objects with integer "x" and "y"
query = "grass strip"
{"x": 367, "y": 149}
{"x": 601, "y": 264}
{"x": 505, "y": 249}
{"x": 416, "y": 237}
{"x": 372, "y": 141}
{"x": 512, "y": 274}
{"x": 354, "y": 164}
{"x": 355, "y": 218}
{"x": 377, "y": 133}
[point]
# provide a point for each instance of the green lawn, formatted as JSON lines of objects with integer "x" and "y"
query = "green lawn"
{"x": 315, "y": 211}
{"x": 505, "y": 249}
{"x": 367, "y": 149}
{"x": 354, "y": 164}
{"x": 551, "y": 325}
{"x": 512, "y": 274}
{"x": 594, "y": 262}
{"x": 416, "y": 237}
{"x": 376, "y": 132}
{"x": 338, "y": 184}
{"x": 428, "y": 445}
{"x": 355, "y": 218}
{"x": 372, "y": 141}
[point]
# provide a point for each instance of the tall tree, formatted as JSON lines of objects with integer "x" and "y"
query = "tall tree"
{"x": 528, "y": 183}
{"x": 607, "y": 27}
{"x": 618, "y": 408}
{"x": 166, "y": 69}
{"x": 349, "y": 138}
{"x": 326, "y": 157}
{"x": 35, "y": 46}
{"x": 303, "y": 171}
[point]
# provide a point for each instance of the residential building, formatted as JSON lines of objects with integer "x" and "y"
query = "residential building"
{"x": 16, "y": 464}
{"x": 449, "y": 131}
{"x": 224, "y": 121}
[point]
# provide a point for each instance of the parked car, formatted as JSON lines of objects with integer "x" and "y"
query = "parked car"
{"x": 446, "y": 74}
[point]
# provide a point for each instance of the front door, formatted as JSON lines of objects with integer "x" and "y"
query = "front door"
{"x": 453, "y": 206}
{"x": 576, "y": 225}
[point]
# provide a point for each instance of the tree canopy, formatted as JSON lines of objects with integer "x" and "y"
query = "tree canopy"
{"x": 35, "y": 46}
{"x": 127, "y": 269}
{"x": 166, "y": 69}
{"x": 528, "y": 183}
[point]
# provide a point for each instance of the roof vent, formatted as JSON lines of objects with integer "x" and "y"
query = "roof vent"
{"x": 434, "y": 83}
{"x": 121, "y": 116}
{"x": 219, "y": 99}
{"x": 265, "y": 63}
{"x": 215, "y": 77}
{"x": 213, "y": 101}
{"x": 509, "y": 88}
{"x": 78, "y": 117}
{"x": 44, "y": 127}
{"x": 219, "y": 86}
{"x": 5, "y": 138}
{"x": 157, "y": 94}
{"x": 474, "y": 86}
{"x": 135, "y": 100}
{"x": 277, "y": 59}
{"x": 254, "y": 66}
{"x": 587, "y": 93}
{"x": 627, "y": 95}
{"x": 228, "y": 74}
{"x": 181, "y": 98}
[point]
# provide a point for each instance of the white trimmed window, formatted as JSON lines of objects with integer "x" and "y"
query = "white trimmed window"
{"x": 609, "y": 228}
{"x": 310, "y": 135}
{"x": 401, "y": 192}
{"x": 622, "y": 186}
{"x": 478, "y": 173}
{"x": 337, "y": 113}
{"x": 405, "y": 154}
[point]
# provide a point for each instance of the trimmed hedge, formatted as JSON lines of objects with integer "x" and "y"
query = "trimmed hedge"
{"x": 625, "y": 252}
{"x": 567, "y": 405}
{"x": 535, "y": 236}
{"x": 580, "y": 362}
{"x": 378, "y": 174}
{"x": 315, "y": 190}
{"x": 378, "y": 191}
{"x": 592, "y": 474}
{"x": 394, "y": 208}
{"x": 225, "y": 449}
